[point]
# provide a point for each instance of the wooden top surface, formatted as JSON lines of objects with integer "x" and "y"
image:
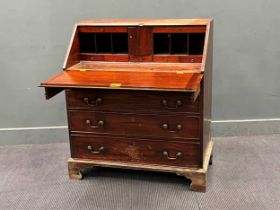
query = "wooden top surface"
{"x": 136, "y": 66}
{"x": 167, "y": 81}
{"x": 144, "y": 22}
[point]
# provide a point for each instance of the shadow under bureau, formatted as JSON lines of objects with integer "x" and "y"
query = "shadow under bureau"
{"x": 138, "y": 95}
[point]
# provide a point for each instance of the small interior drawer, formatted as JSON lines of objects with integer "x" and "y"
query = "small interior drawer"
{"x": 136, "y": 150}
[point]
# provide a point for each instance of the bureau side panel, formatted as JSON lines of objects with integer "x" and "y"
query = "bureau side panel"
{"x": 207, "y": 91}
{"x": 73, "y": 52}
{"x": 68, "y": 122}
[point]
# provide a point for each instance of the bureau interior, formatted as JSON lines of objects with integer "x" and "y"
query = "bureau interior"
{"x": 163, "y": 43}
{"x": 157, "y": 45}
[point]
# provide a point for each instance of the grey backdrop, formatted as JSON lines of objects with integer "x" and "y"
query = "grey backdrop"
{"x": 34, "y": 36}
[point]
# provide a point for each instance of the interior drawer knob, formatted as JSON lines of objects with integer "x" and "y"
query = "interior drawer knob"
{"x": 94, "y": 103}
{"x": 178, "y": 154}
{"x": 97, "y": 151}
{"x": 165, "y": 126}
{"x": 177, "y": 104}
{"x": 100, "y": 123}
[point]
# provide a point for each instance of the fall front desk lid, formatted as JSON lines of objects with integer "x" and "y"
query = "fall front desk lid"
{"x": 164, "y": 81}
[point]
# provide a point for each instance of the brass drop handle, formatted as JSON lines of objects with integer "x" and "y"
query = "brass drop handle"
{"x": 95, "y": 103}
{"x": 178, "y": 154}
{"x": 165, "y": 126}
{"x": 97, "y": 151}
{"x": 99, "y": 124}
{"x": 177, "y": 105}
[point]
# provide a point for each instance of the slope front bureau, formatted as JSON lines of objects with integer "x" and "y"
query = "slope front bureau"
{"x": 138, "y": 96}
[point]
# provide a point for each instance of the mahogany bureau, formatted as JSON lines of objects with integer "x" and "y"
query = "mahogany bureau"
{"x": 138, "y": 95}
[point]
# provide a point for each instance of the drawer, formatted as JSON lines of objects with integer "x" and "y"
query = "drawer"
{"x": 127, "y": 124}
{"x": 131, "y": 101}
{"x": 136, "y": 150}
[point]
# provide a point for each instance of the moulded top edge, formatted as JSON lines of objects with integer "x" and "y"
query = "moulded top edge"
{"x": 144, "y": 22}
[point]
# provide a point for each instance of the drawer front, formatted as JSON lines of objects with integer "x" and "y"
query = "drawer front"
{"x": 142, "y": 151}
{"x": 143, "y": 125}
{"x": 131, "y": 101}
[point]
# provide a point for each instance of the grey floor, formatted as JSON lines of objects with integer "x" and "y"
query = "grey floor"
{"x": 245, "y": 175}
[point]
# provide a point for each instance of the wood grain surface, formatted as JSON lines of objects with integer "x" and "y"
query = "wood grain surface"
{"x": 129, "y": 79}
{"x": 131, "y": 124}
{"x": 135, "y": 150}
{"x": 145, "y": 22}
{"x": 137, "y": 66}
{"x": 136, "y": 102}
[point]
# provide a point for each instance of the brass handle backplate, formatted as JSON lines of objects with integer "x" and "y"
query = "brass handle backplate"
{"x": 97, "y": 151}
{"x": 165, "y": 126}
{"x": 100, "y": 123}
{"x": 177, "y": 105}
{"x": 95, "y": 103}
{"x": 178, "y": 154}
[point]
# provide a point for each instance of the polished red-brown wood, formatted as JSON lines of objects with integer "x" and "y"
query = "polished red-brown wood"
{"x": 138, "y": 95}
{"x": 102, "y": 29}
{"x": 140, "y": 39}
{"x": 206, "y": 97}
{"x": 104, "y": 57}
{"x": 131, "y": 124}
{"x": 145, "y": 22}
{"x": 137, "y": 66}
{"x": 73, "y": 52}
{"x": 127, "y": 101}
{"x": 140, "y": 43}
{"x": 188, "y": 82}
{"x": 179, "y": 29}
{"x": 177, "y": 58}
{"x": 135, "y": 150}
